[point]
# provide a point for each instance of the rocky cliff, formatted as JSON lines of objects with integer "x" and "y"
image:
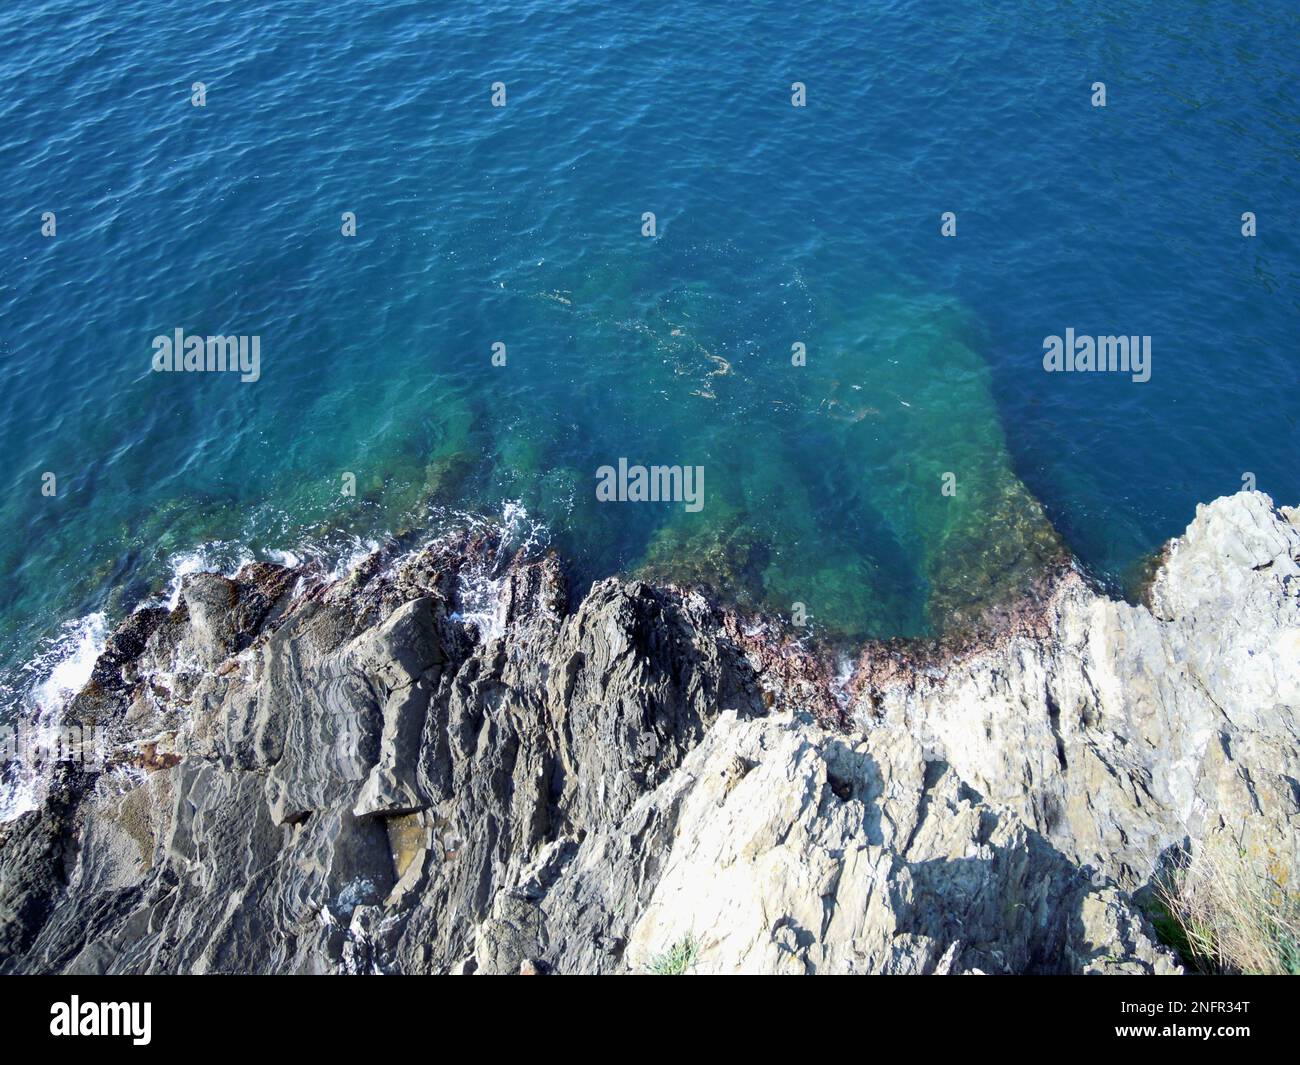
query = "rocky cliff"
{"x": 369, "y": 775}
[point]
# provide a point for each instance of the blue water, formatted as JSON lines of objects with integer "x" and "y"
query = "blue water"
{"x": 522, "y": 225}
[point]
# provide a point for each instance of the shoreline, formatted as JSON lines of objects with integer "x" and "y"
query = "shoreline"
{"x": 1080, "y": 734}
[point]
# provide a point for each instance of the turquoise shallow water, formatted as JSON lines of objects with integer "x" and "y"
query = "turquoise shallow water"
{"x": 522, "y": 225}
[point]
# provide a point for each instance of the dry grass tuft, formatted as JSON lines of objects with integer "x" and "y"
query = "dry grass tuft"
{"x": 1228, "y": 912}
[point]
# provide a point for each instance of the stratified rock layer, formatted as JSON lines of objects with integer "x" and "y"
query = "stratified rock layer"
{"x": 317, "y": 777}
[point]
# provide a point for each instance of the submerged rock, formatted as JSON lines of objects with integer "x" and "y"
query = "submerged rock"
{"x": 350, "y": 777}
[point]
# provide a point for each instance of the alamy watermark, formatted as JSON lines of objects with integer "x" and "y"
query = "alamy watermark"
{"x": 214, "y": 354}
{"x": 76, "y": 1018}
{"x": 32, "y": 745}
{"x": 651, "y": 484}
{"x": 1083, "y": 354}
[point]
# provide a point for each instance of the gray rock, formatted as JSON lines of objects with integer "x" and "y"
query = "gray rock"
{"x": 346, "y": 777}
{"x": 1125, "y": 732}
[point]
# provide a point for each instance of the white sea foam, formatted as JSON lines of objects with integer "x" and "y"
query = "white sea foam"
{"x": 215, "y": 556}
{"x": 287, "y": 559}
{"x": 59, "y": 669}
{"x": 71, "y": 658}
{"x": 844, "y": 669}
{"x": 352, "y": 557}
{"x": 481, "y": 583}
